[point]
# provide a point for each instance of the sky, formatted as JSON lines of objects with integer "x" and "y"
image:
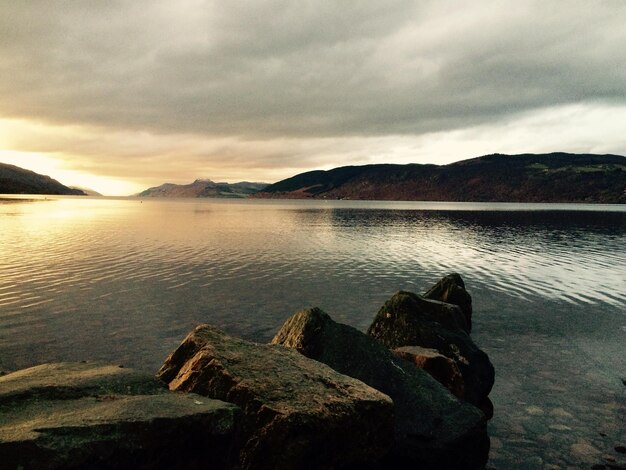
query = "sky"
{"x": 118, "y": 96}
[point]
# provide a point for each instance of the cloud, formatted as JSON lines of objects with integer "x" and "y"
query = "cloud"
{"x": 154, "y": 91}
{"x": 277, "y": 68}
{"x": 143, "y": 159}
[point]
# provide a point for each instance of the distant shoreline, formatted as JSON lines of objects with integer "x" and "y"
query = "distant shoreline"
{"x": 545, "y": 178}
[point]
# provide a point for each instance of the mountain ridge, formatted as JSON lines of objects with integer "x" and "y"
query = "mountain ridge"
{"x": 16, "y": 180}
{"x": 553, "y": 177}
{"x": 204, "y": 188}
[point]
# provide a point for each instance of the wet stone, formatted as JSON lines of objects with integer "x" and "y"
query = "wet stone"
{"x": 533, "y": 463}
{"x": 584, "y": 451}
{"x": 561, "y": 413}
{"x": 297, "y": 412}
{"x": 99, "y": 416}
{"x": 560, "y": 427}
{"x": 546, "y": 438}
{"x": 534, "y": 410}
{"x": 432, "y": 428}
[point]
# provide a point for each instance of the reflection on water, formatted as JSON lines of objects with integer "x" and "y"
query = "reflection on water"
{"x": 124, "y": 280}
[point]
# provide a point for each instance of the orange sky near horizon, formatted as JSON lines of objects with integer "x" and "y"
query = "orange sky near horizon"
{"x": 122, "y": 163}
{"x": 121, "y": 96}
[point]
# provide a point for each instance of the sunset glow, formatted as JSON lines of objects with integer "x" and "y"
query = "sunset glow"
{"x": 56, "y": 169}
{"x": 121, "y": 99}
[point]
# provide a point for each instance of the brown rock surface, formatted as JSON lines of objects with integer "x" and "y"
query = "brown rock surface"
{"x": 299, "y": 413}
{"x": 80, "y": 415}
{"x": 441, "y": 368}
{"x": 403, "y": 321}
{"x": 432, "y": 428}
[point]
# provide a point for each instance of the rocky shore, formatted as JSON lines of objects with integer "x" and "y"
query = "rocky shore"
{"x": 411, "y": 392}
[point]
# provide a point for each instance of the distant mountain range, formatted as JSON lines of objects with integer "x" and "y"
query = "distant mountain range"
{"x": 554, "y": 177}
{"x": 204, "y": 188}
{"x": 16, "y": 180}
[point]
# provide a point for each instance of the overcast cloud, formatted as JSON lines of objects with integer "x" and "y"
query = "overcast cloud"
{"x": 272, "y": 87}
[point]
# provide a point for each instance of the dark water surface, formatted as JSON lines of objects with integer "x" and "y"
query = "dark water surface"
{"x": 123, "y": 280}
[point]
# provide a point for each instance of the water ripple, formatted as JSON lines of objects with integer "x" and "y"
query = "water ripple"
{"x": 105, "y": 265}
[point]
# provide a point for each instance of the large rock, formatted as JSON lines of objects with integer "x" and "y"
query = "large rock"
{"x": 299, "y": 413}
{"x": 432, "y": 428}
{"x": 449, "y": 316}
{"x": 451, "y": 289}
{"x": 441, "y": 368}
{"x": 403, "y": 321}
{"x": 79, "y": 415}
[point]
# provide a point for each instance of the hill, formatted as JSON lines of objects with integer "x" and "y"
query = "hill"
{"x": 16, "y": 180}
{"x": 204, "y": 188}
{"x": 87, "y": 191}
{"x": 554, "y": 177}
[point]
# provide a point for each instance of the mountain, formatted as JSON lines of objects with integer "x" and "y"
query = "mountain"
{"x": 554, "y": 177}
{"x": 16, "y": 180}
{"x": 204, "y": 188}
{"x": 87, "y": 191}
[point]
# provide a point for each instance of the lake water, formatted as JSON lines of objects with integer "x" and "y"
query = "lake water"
{"x": 123, "y": 280}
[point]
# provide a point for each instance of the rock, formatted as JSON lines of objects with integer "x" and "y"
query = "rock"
{"x": 80, "y": 415}
{"x": 584, "y": 451}
{"x": 447, "y": 315}
{"x": 561, "y": 413}
{"x": 451, "y": 289}
{"x": 443, "y": 369}
{"x": 432, "y": 428}
{"x": 486, "y": 406}
{"x": 406, "y": 319}
{"x": 559, "y": 427}
{"x": 534, "y": 410}
{"x": 298, "y": 413}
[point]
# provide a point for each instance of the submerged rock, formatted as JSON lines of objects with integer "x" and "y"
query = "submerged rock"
{"x": 80, "y": 415}
{"x": 406, "y": 319}
{"x": 298, "y": 413}
{"x": 451, "y": 289}
{"x": 432, "y": 428}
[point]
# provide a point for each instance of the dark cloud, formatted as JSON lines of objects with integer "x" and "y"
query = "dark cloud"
{"x": 275, "y": 68}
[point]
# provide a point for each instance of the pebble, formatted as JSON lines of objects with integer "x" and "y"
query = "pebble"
{"x": 496, "y": 443}
{"x": 561, "y": 413}
{"x": 546, "y": 438}
{"x": 534, "y": 410}
{"x": 620, "y": 449}
{"x": 560, "y": 427}
{"x": 584, "y": 451}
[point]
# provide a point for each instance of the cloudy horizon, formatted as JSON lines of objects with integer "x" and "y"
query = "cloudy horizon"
{"x": 119, "y": 96}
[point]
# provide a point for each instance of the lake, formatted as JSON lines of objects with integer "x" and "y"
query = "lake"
{"x": 124, "y": 280}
